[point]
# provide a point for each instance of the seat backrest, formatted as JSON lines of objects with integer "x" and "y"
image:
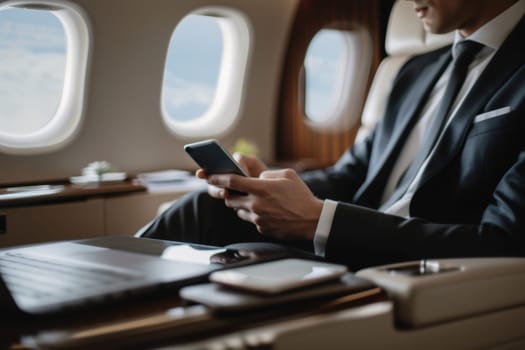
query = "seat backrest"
{"x": 405, "y": 37}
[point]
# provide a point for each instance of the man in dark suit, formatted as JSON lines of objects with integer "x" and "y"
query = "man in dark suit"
{"x": 434, "y": 179}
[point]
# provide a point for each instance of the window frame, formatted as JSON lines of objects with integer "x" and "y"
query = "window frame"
{"x": 65, "y": 123}
{"x": 225, "y": 108}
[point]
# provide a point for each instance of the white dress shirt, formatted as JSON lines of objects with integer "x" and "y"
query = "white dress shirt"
{"x": 491, "y": 35}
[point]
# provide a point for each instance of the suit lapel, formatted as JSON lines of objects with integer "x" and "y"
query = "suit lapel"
{"x": 505, "y": 62}
{"x": 369, "y": 194}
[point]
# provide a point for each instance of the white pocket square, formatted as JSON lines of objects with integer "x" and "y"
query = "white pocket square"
{"x": 492, "y": 114}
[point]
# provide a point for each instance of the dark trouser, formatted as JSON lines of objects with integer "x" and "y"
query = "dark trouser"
{"x": 199, "y": 218}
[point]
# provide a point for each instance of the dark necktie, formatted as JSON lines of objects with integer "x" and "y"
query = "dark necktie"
{"x": 466, "y": 50}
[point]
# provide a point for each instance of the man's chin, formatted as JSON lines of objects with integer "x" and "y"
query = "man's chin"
{"x": 431, "y": 28}
{"x": 428, "y": 28}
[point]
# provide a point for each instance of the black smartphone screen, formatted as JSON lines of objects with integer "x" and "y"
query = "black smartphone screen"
{"x": 213, "y": 158}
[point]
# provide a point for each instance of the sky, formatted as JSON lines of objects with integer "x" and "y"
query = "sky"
{"x": 324, "y": 62}
{"x": 192, "y": 69}
{"x": 33, "y": 56}
{"x": 32, "y": 61}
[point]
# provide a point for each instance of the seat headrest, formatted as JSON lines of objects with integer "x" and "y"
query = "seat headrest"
{"x": 406, "y": 35}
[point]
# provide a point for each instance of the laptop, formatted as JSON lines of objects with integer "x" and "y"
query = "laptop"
{"x": 55, "y": 277}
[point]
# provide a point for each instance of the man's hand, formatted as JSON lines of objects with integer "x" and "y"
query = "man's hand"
{"x": 253, "y": 166}
{"x": 278, "y": 203}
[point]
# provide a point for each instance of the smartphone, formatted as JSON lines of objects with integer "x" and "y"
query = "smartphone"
{"x": 278, "y": 276}
{"x": 214, "y": 159}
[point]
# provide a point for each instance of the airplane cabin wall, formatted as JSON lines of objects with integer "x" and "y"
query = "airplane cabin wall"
{"x": 122, "y": 122}
{"x": 296, "y": 137}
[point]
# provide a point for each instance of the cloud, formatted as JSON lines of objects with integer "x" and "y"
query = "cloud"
{"x": 181, "y": 96}
{"x": 32, "y": 36}
{"x": 324, "y": 69}
{"x": 32, "y": 67}
{"x": 323, "y": 81}
{"x": 30, "y": 88}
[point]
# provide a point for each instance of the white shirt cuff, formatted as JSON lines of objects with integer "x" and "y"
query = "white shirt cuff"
{"x": 323, "y": 227}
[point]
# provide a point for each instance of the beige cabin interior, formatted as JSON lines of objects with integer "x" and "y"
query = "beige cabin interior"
{"x": 125, "y": 71}
{"x": 122, "y": 124}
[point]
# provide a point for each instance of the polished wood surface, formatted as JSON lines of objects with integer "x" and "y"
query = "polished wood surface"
{"x": 296, "y": 139}
{"x": 160, "y": 322}
{"x": 69, "y": 192}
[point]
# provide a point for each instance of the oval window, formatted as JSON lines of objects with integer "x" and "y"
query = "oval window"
{"x": 324, "y": 71}
{"x": 336, "y": 68}
{"x": 43, "y": 58}
{"x": 32, "y": 66}
{"x": 192, "y": 67}
{"x": 204, "y": 72}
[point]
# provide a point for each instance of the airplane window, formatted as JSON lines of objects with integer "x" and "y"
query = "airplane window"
{"x": 335, "y": 70}
{"x": 192, "y": 67}
{"x": 204, "y": 72}
{"x": 43, "y": 54}
{"x": 324, "y": 64}
{"x": 32, "y": 66}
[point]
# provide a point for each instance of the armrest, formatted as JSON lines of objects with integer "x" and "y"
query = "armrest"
{"x": 429, "y": 292}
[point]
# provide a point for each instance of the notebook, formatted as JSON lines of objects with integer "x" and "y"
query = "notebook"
{"x": 55, "y": 277}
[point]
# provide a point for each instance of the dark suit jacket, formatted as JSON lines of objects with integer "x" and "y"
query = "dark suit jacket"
{"x": 471, "y": 199}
